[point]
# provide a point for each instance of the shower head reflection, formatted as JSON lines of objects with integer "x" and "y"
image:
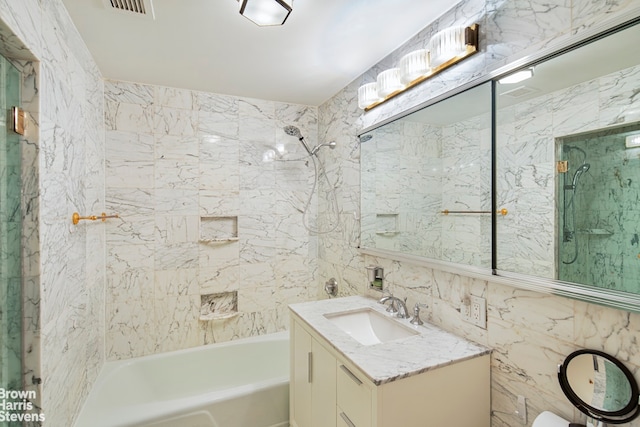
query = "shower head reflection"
{"x": 582, "y": 169}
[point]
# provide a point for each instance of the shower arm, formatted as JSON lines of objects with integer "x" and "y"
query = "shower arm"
{"x": 331, "y": 145}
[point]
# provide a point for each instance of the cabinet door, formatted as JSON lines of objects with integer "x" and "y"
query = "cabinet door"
{"x": 323, "y": 386}
{"x": 301, "y": 377}
{"x": 313, "y": 382}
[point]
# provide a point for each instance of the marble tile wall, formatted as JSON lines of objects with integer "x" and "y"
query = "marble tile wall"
{"x": 529, "y": 332}
{"x": 185, "y": 171}
{"x": 63, "y": 172}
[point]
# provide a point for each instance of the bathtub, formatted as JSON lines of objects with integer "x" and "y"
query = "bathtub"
{"x": 243, "y": 383}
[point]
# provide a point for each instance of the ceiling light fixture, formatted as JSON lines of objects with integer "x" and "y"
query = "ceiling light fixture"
{"x": 517, "y": 77}
{"x": 265, "y": 12}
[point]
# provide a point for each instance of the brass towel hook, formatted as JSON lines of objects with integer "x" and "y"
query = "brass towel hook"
{"x": 75, "y": 218}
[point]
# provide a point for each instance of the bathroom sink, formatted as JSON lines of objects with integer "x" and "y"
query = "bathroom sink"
{"x": 369, "y": 327}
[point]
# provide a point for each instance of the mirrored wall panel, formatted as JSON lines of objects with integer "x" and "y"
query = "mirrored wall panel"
{"x": 568, "y": 168}
{"x": 567, "y": 175}
{"x": 426, "y": 182}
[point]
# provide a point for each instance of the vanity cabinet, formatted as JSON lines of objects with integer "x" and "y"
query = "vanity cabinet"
{"x": 328, "y": 389}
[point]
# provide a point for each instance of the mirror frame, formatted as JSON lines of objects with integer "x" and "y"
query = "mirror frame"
{"x": 626, "y": 414}
{"x": 606, "y": 297}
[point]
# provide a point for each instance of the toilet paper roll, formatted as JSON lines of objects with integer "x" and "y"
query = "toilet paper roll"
{"x": 549, "y": 419}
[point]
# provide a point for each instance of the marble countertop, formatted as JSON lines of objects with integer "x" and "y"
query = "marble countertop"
{"x": 389, "y": 361}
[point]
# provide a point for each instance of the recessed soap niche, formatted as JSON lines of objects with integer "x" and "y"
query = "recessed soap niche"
{"x": 218, "y": 228}
{"x": 387, "y": 224}
{"x": 218, "y": 306}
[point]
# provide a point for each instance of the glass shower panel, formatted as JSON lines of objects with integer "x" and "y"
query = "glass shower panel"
{"x": 10, "y": 233}
{"x": 598, "y": 213}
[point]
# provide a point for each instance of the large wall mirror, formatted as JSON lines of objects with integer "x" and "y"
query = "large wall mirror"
{"x": 571, "y": 181}
{"x": 426, "y": 182}
{"x": 566, "y": 157}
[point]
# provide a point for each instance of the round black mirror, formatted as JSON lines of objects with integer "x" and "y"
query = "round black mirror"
{"x": 600, "y": 386}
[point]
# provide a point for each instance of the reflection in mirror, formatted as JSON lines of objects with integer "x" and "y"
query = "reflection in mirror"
{"x": 434, "y": 160}
{"x": 598, "y": 214}
{"x": 570, "y": 183}
{"x": 600, "y": 386}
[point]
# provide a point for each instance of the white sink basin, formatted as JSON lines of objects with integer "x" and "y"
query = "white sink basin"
{"x": 369, "y": 327}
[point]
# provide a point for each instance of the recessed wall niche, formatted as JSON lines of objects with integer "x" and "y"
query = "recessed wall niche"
{"x": 218, "y": 229}
{"x": 218, "y": 306}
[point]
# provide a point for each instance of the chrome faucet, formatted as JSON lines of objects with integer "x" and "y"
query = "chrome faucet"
{"x": 392, "y": 307}
{"x": 397, "y": 307}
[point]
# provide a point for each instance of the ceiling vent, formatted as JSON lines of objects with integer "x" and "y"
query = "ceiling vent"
{"x": 141, "y": 8}
{"x": 521, "y": 91}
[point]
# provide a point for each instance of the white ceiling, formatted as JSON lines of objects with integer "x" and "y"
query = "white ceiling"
{"x": 207, "y": 45}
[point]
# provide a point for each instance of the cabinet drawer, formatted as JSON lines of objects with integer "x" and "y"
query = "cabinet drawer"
{"x": 354, "y": 398}
{"x": 343, "y": 419}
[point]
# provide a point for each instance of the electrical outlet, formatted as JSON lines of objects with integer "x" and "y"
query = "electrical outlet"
{"x": 465, "y": 309}
{"x": 478, "y": 311}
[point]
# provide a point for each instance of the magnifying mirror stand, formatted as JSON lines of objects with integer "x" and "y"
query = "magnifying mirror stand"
{"x": 600, "y": 386}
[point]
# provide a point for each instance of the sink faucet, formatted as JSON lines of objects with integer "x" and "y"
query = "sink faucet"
{"x": 392, "y": 307}
{"x": 397, "y": 307}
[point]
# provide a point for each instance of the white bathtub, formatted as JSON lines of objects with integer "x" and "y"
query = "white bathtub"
{"x": 243, "y": 383}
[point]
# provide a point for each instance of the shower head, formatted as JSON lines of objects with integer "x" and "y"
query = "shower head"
{"x": 292, "y": 131}
{"x": 359, "y": 141}
{"x": 582, "y": 169}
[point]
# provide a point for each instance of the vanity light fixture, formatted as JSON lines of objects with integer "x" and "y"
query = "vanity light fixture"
{"x": 448, "y": 47}
{"x": 632, "y": 141}
{"x": 414, "y": 65}
{"x": 265, "y": 12}
{"x": 389, "y": 82}
{"x": 517, "y": 77}
{"x": 367, "y": 95}
{"x": 447, "y": 44}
